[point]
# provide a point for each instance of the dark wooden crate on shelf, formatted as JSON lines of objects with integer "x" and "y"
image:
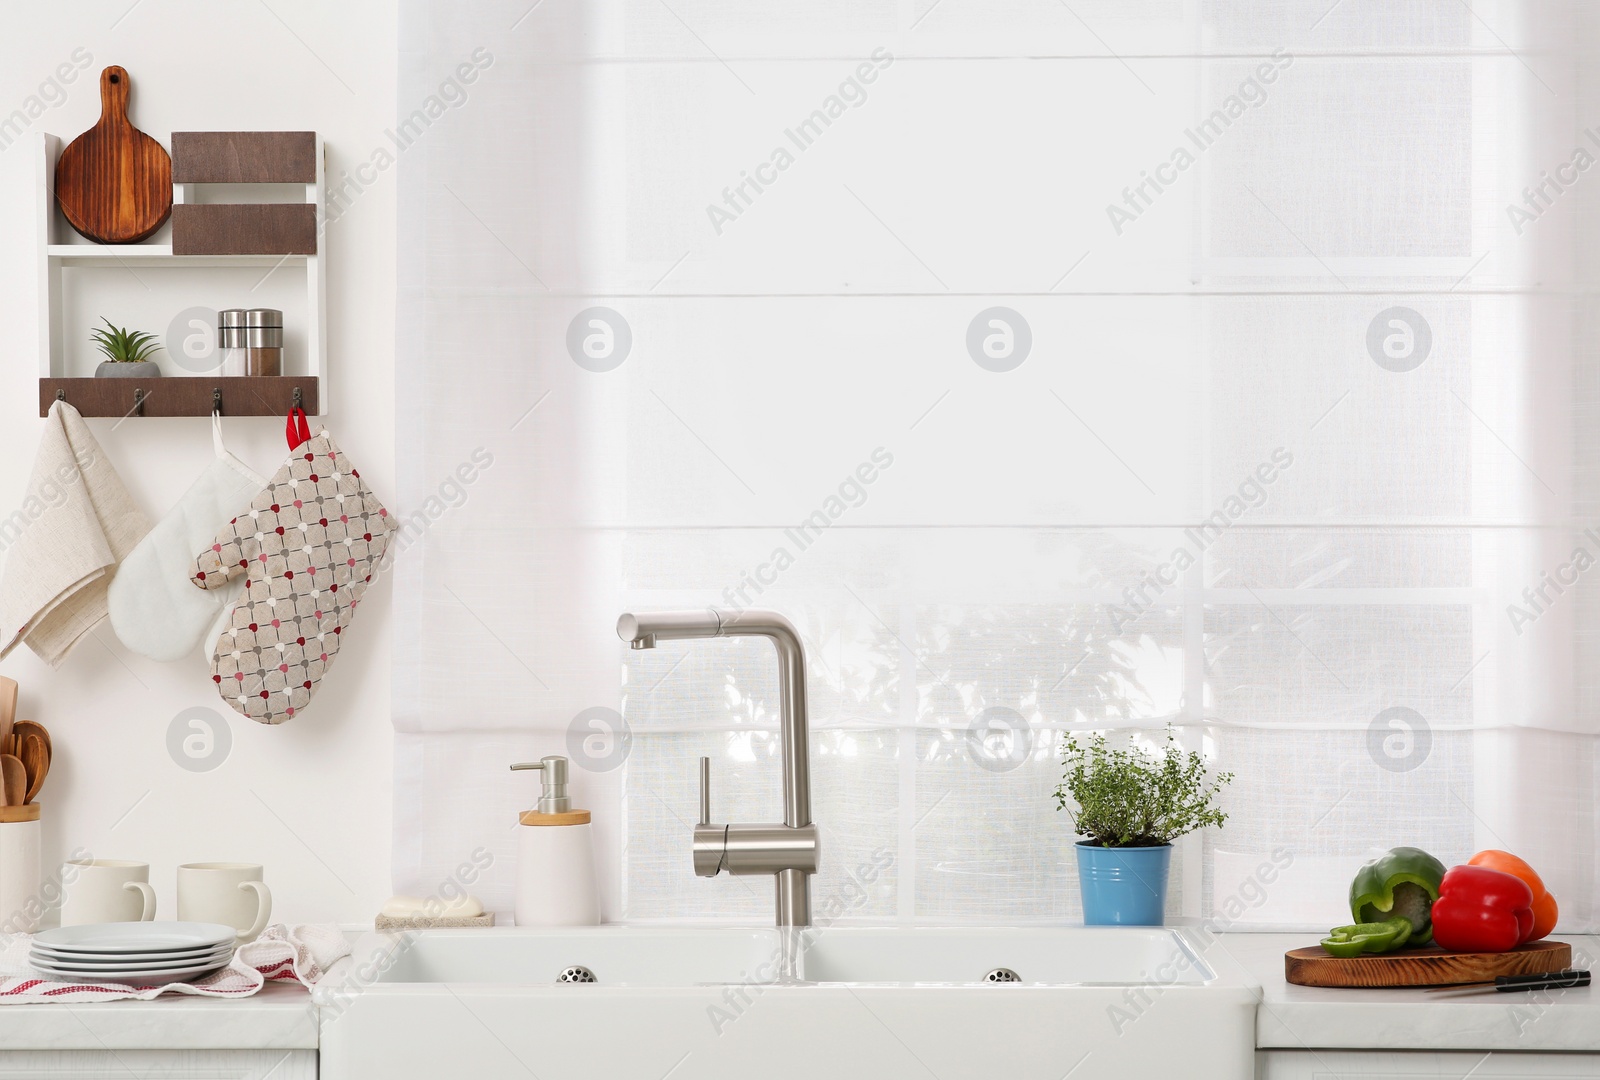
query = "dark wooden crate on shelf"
{"x": 244, "y": 157}
{"x": 244, "y": 229}
{"x": 183, "y": 395}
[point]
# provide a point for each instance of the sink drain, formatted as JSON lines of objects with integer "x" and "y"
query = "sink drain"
{"x": 576, "y": 974}
{"x": 1002, "y": 975}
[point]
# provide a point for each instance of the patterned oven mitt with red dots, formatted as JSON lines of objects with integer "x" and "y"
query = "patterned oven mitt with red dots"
{"x": 310, "y": 544}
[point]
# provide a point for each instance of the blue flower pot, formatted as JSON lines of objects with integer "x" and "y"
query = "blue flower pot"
{"x": 1123, "y": 886}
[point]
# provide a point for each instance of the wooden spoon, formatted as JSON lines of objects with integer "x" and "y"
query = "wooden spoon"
{"x": 35, "y": 763}
{"x": 23, "y": 728}
{"x": 8, "y": 708}
{"x": 15, "y": 779}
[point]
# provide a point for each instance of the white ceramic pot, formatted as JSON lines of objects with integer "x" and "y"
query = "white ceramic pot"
{"x": 112, "y": 369}
{"x": 20, "y": 887}
{"x": 555, "y": 876}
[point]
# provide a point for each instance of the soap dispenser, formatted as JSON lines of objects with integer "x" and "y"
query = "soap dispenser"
{"x": 555, "y": 856}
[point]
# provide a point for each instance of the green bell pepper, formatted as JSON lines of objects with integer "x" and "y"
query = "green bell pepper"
{"x": 1375, "y": 937}
{"x": 1402, "y": 883}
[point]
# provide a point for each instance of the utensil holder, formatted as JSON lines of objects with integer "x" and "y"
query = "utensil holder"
{"x": 20, "y": 881}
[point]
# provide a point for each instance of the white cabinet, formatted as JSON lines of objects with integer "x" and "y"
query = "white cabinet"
{"x": 158, "y": 1064}
{"x": 1405, "y": 1064}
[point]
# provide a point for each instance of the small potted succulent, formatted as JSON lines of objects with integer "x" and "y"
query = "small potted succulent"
{"x": 127, "y": 352}
{"x": 1131, "y": 803}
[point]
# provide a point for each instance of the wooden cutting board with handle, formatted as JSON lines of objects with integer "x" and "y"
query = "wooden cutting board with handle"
{"x": 114, "y": 182}
{"x": 1422, "y": 967}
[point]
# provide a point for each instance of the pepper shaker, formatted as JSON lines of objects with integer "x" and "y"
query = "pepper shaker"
{"x": 264, "y": 341}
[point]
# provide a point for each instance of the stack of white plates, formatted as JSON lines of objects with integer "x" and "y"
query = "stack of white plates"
{"x": 141, "y": 953}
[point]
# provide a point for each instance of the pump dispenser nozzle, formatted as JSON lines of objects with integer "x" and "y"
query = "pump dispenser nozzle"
{"x": 553, "y": 797}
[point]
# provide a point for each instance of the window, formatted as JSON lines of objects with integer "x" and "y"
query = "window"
{"x": 1102, "y": 365}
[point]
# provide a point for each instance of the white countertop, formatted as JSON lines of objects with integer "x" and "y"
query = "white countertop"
{"x": 279, "y": 1017}
{"x": 1307, "y": 1017}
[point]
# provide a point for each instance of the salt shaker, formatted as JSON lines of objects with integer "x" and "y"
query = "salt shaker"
{"x": 231, "y": 335}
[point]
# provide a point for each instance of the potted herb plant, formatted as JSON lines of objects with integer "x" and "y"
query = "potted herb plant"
{"x": 1131, "y": 803}
{"x": 127, "y": 352}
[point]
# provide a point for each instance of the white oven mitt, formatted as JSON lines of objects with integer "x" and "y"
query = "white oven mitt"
{"x": 307, "y": 547}
{"x": 155, "y": 608}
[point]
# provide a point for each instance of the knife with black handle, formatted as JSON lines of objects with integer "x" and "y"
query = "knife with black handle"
{"x": 1550, "y": 980}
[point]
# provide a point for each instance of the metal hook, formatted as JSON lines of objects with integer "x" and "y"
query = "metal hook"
{"x": 138, "y": 401}
{"x": 61, "y": 395}
{"x": 298, "y": 404}
{"x": 216, "y": 400}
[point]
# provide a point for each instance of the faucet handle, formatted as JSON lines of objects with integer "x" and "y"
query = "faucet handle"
{"x": 710, "y": 841}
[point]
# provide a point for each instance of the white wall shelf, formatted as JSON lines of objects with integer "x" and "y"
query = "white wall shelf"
{"x": 159, "y": 255}
{"x": 64, "y": 256}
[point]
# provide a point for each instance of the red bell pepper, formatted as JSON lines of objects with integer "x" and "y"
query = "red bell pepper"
{"x": 1482, "y": 910}
{"x": 1545, "y": 910}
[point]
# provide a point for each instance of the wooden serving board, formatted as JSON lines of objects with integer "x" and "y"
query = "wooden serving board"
{"x": 114, "y": 182}
{"x": 1422, "y": 967}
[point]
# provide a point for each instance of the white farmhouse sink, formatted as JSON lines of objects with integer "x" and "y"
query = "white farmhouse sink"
{"x": 1092, "y": 1003}
{"x": 616, "y": 956}
{"x": 1090, "y": 956}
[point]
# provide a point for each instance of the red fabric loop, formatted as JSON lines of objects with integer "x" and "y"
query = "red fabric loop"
{"x": 297, "y": 431}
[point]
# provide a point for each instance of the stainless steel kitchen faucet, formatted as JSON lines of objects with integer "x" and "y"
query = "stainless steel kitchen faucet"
{"x": 789, "y": 851}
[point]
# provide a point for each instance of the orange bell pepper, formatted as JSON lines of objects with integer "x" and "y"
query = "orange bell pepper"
{"x": 1544, "y": 905}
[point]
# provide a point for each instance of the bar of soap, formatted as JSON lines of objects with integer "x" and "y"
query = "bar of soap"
{"x": 415, "y": 907}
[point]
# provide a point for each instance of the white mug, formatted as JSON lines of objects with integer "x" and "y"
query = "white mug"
{"x": 225, "y": 892}
{"x": 106, "y": 890}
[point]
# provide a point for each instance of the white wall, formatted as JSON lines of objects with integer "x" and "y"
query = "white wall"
{"x": 311, "y": 798}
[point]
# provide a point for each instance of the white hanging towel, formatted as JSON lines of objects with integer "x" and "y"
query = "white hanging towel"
{"x": 65, "y": 541}
{"x": 155, "y": 608}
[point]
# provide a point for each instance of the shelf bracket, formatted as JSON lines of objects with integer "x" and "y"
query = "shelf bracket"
{"x": 138, "y": 401}
{"x": 216, "y": 400}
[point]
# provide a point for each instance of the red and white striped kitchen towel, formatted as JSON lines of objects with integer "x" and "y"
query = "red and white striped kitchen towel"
{"x": 300, "y": 954}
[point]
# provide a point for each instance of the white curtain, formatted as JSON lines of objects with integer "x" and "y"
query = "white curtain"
{"x": 1054, "y": 367}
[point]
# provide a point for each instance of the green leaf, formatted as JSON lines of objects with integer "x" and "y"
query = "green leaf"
{"x": 122, "y": 346}
{"x": 1127, "y": 798}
